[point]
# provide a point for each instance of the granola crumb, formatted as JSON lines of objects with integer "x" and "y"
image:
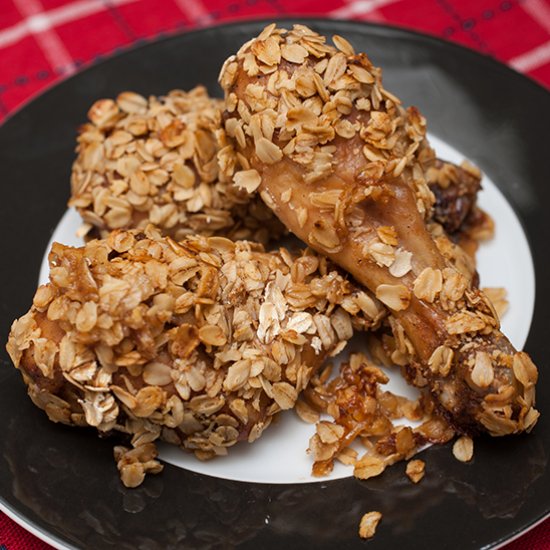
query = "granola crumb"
{"x": 415, "y": 470}
{"x": 498, "y": 297}
{"x": 369, "y": 523}
{"x": 463, "y": 449}
{"x": 368, "y": 466}
{"x": 133, "y": 464}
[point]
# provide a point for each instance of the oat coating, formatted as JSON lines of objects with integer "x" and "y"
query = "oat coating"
{"x": 198, "y": 343}
{"x": 155, "y": 160}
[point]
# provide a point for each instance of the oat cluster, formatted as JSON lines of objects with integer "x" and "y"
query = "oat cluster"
{"x": 198, "y": 343}
{"x": 155, "y": 160}
{"x": 362, "y": 411}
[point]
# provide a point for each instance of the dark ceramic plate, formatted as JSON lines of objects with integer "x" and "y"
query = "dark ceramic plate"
{"x": 62, "y": 483}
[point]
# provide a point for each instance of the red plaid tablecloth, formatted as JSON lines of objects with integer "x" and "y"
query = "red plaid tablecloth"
{"x": 43, "y": 41}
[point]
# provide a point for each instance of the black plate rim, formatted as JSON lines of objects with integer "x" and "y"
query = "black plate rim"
{"x": 33, "y": 529}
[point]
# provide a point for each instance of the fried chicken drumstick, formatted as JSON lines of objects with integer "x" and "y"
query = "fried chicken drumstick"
{"x": 343, "y": 165}
{"x": 154, "y": 160}
{"x": 198, "y": 342}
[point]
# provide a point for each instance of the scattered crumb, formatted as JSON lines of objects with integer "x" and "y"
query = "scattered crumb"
{"x": 360, "y": 407}
{"x": 306, "y": 413}
{"x": 415, "y": 470}
{"x": 497, "y": 295}
{"x": 463, "y": 449}
{"x": 134, "y": 463}
{"x": 347, "y": 456}
{"x": 368, "y": 466}
{"x": 369, "y": 523}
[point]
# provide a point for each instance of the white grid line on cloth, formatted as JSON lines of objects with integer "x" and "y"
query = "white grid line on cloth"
{"x": 53, "y": 18}
{"x": 532, "y": 59}
{"x": 539, "y": 10}
{"x": 195, "y": 9}
{"x": 376, "y": 16}
{"x": 362, "y": 7}
{"x": 47, "y": 39}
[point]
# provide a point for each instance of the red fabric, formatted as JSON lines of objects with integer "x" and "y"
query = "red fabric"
{"x": 42, "y": 41}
